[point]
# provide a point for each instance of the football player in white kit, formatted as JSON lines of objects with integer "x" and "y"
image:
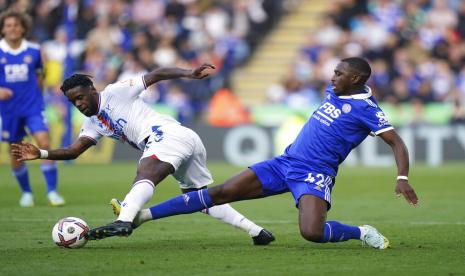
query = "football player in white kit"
{"x": 168, "y": 147}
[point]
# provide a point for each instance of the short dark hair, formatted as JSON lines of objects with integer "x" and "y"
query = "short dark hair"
{"x": 76, "y": 80}
{"x": 360, "y": 65}
{"x": 23, "y": 18}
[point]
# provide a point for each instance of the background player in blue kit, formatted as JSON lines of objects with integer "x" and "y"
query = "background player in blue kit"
{"x": 21, "y": 101}
{"x": 308, "y": 167}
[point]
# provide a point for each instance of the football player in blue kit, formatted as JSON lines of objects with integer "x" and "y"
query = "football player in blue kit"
{"x": 308, "y": 167}
{"x": 21, "y": 101}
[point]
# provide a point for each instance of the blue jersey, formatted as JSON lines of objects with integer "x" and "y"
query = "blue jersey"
{"x": 18, "y": 72}
{"x": 333, "y": 130}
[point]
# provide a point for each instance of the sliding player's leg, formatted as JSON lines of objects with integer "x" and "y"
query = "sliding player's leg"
{"x": 150, "y": 172}
{"x": 260, "y": 180}
{"x": 313, "y": 202}
{"x": 243, "y": 186}
{"x": 227, "y": 214}
{"x": 224, "y": 212}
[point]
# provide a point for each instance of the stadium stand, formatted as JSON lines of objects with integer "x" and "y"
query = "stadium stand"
{"x": 275, "y": 52}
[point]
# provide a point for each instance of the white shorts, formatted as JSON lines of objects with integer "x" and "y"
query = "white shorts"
{"x": 183, "y": 149}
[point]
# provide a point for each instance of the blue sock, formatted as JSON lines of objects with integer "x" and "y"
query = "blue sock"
{"x": 22, "y": 176}
{"x": 184, "y": 204}
{"x": 50, "y": 173}
{"x": 338, "y": 232}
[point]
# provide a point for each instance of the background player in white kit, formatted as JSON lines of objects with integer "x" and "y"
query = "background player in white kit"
{"x": 168, "y": 147}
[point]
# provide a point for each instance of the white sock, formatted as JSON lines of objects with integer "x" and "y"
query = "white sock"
{"x": 140, "y": 194}
{"x": 363, "y": 232}
{"x": 143, "y": 216}
{"x": 229, "y": 215}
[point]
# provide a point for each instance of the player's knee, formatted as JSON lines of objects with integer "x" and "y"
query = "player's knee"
{"x": 219, "y": 194}
{"x": 311, "y": 234}
{"x": 155, "y": 172}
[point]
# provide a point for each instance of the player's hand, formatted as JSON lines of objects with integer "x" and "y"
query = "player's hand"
{"x": 403, "y": 188}
{"x": 25, "y": 151}
{"x": 202, "y": 71}
{"x": 5, "y": 93}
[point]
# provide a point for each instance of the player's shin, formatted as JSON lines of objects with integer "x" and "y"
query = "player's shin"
{"x": 22, "y": 176}
{"x": 140, "y": 194}
{"x": 49, "y": 170}
{"x": 229, "y": 215}
{"x": 337, "y": 232}
{"x": 183, "y": 204}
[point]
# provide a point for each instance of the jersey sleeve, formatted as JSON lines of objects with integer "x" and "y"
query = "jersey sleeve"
{"x": 89, "y": 130}
{"x": 375, "y": 119}
{"x": 129, "y": 88}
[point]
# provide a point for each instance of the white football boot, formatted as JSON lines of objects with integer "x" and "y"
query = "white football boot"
{"x": 26, "y": 200}
{"x": 371, "y": 237}
{"x": 55, "y": 199}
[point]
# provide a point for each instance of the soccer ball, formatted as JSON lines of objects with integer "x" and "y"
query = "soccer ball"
{"x": 70, "y": 232}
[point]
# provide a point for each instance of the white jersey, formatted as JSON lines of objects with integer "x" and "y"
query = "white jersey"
{"x": 123, "y": 116}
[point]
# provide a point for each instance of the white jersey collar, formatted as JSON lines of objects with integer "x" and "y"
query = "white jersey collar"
{"x": 7, "y": 49}
{"x": 360, "y": 96}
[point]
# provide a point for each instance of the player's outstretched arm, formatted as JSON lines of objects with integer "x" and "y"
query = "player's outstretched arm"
{"x": 25, "y": 151}
{"x": 165, "y": 73}
{"x": 401, "y": 155}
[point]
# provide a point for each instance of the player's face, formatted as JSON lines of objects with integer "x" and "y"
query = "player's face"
{"x": 85, "y": 99}
{"x": 342, "y": 79}
{"x": 12, "y": 29}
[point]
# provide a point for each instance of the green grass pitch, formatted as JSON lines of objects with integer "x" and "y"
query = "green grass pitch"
{"x": 426, "y": 240}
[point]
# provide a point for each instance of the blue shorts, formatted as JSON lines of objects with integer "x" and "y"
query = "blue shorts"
{"x": 13, "y": 128}
{"x": 272, "y": 174}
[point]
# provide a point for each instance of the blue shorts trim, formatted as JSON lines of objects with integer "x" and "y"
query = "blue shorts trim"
{"x": 272, "y": 174}
{"x": 14, "y": 127}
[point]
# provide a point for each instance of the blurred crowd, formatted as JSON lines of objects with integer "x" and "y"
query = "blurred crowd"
{"x": 115, "y": 39}
{"x": 416, "y": 49}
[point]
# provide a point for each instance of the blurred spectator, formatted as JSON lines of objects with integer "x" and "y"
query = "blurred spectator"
{"x": 110, "y": 39}
{"x": 416, "y": 49}
{"x": 414, "y": 46}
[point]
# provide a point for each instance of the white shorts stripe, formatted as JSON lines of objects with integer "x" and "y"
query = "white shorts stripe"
{"x": 202, "y": 200}
{"x": 330, "y": 231}
{"x": 327, "y": 194}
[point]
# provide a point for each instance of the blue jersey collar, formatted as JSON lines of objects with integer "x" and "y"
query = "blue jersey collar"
{"x": 7, "y": 49}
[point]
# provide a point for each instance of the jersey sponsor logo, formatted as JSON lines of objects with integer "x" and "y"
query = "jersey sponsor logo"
{"x": 382, "y": 119}
{"x": 330, "y": 110}
{"x": 16, "y": 72}
{"x": 112, "y": 129}
{"x": 326, "y": 113}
